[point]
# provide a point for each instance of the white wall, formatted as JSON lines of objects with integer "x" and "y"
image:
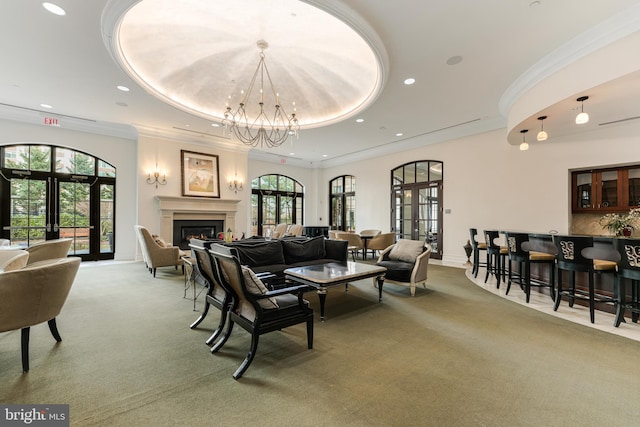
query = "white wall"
{"x": 119, "y": 152}
{"x": 491, "y": 184}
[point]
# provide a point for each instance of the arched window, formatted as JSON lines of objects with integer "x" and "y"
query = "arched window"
{"x": 416, "y": 203}
{"x": 275, "y": 199}
{"x": 51, "y": 192}
{"x": 342, "y": 193}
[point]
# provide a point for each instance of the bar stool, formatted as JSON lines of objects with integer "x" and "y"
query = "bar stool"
{"x": 570, "y": 257}
{"x": 477, "y": 247}
{"x": 518, "y": 253}
{"x": 628, "y": 268}
{"x": 496, "y": 256}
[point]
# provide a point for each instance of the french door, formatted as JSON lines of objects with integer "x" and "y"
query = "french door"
{"x": 417, "y": 203}
{"x": 39, "y": 205}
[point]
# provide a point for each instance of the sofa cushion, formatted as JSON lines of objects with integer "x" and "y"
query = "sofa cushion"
{"x": 256, "y": 255}
{"x": 300, "y": 251}
{"x": 406, "y": 250}
{"x": 399, "y": 271}
{"x": 256, "y": 287}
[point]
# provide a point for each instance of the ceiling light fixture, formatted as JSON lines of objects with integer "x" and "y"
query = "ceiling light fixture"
{"x": 261, "y": 130}
{"x": 409, "y": 81}
{"x": 523, "y": 145}
{"x": 583, "y": 117}
{"x": 54, "y": 8}
{"x": 542, "y": 135}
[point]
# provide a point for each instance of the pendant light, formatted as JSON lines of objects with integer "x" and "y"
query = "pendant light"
{"x": 523, "y": 145}
{"x": 583, "y": 117}
{"x": 542, "y": 135}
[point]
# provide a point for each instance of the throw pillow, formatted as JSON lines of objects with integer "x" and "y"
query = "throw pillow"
{"x": 299, "y": 251}
{"x": 406, "y": 250}
{"x": 256, "y": 287}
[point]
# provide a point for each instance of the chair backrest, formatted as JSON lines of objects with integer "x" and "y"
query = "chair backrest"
{"x": 231, "y": 277}
{"x": 490, "y": 237}
{"x": 382, "y": 241}
{"x": 49, "y": 249}
{"x": 279, "y": 230}
{"x": 370, "y": 232}
{"x": 35, "y": 294}
{"x": 333, "y": 234}
{"x": 514, "y": 245}
{"x": 473, "y": 232}
{"x": 569, "y": 252}
{"x": 13, "y": 259}
{"x": 209, "y": 271}
{"x": 295, "y": 230}
{"x": 629, "y": 264}
{"x": 353, "y": 238}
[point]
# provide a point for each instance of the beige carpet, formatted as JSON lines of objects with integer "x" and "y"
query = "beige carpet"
{"x": 454, "y": 355}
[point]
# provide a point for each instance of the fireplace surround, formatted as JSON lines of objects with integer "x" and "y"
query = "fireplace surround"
{"x": 194, "y": 209}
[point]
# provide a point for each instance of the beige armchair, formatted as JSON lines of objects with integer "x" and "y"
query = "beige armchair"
{"x": 34, "y": 295}
{"x": 156, "y": 254}
{"x": 13, "y": 259}
{"x": 294, "y": 230}
{"x": 279, "y": 231}
{"x": 370, "y": 233}
{"x": 355, "y": 242}
{"x": 49, "y": 249}
{"x": 381, "y": 242}
{"x": 406, "y": 262}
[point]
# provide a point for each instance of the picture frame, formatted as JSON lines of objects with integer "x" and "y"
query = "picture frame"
{"x": 200, "y": 174}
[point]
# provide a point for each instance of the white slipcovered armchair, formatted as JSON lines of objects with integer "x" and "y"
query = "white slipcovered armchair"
{"x": 156, "y": 254}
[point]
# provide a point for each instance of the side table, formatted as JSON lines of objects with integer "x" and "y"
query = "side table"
{"x": 190, "y": 276}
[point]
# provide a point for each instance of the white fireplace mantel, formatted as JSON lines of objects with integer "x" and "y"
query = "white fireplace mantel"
{"x": 172, "y": 208}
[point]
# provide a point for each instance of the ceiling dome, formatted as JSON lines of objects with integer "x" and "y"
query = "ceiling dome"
{"x": 198, "y": 55}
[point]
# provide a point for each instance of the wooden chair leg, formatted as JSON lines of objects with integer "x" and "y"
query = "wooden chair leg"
{"x": 224, "y": 338}
{"x": 247, "y": 360}
{"x": 310, "y": 333}
{"x": 53, "y": 327}
{"x": 205, "y": 310}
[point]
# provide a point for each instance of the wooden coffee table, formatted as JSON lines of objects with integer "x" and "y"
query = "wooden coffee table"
{"x": 323, "y": 276}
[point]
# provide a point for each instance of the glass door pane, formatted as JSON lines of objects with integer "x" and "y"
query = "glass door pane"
{"x": 286, "y": 210}
{"x": 268, "y": 213}
{"x": 106, "y": 218}
{"x": 73, "y": 217}
{"x": 350, "y": 213}
{"x": 406, "y": 225}
{"x": 28, "y": 212}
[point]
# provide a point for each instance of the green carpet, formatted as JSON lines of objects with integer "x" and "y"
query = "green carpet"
{"x": 453, "y": 355}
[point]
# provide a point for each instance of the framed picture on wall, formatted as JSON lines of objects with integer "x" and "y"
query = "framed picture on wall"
{"x": 200, "y": 177}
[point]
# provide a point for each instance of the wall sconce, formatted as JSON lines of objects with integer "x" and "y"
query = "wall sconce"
{"x": 523, "y": 145}
{"x": 542, "y": 135}
{"x": 583, "y": 117}
{"x": 154, "y": 178}
{"x": 235, "y": 184}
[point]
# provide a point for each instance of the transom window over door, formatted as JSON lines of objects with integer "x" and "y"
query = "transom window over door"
{"x": 416, "y": 203}
{"x": 275, "y": 199}
{"x": 51, "y": 192}
{"x": 342, "y": 193}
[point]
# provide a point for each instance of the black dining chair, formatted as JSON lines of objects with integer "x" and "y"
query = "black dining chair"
{"x": 628, "y": 268}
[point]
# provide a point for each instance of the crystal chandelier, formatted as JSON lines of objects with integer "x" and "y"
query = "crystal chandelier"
{"x": 262, "y": 130}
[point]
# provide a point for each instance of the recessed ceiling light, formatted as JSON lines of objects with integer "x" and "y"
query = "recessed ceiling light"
{"x": 409, "y": 81}
{"x": 399, "y": 134}
{"x": 292, "y": 154}
{"x": 359, "y": 120}
{"x": 215, "y": 125}
{"x": 325, "y": 155}
{"x": 123, "y": 88}
{"x": 454, "y": 60}
{"x": 46, "y": 106}
{"x": 54, "y": 8}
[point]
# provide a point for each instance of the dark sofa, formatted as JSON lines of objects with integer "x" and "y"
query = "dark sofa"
{"x": 275, "y": 256}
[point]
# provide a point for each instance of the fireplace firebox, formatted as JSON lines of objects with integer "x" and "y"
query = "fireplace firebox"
{"x": 185, "y": 230}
